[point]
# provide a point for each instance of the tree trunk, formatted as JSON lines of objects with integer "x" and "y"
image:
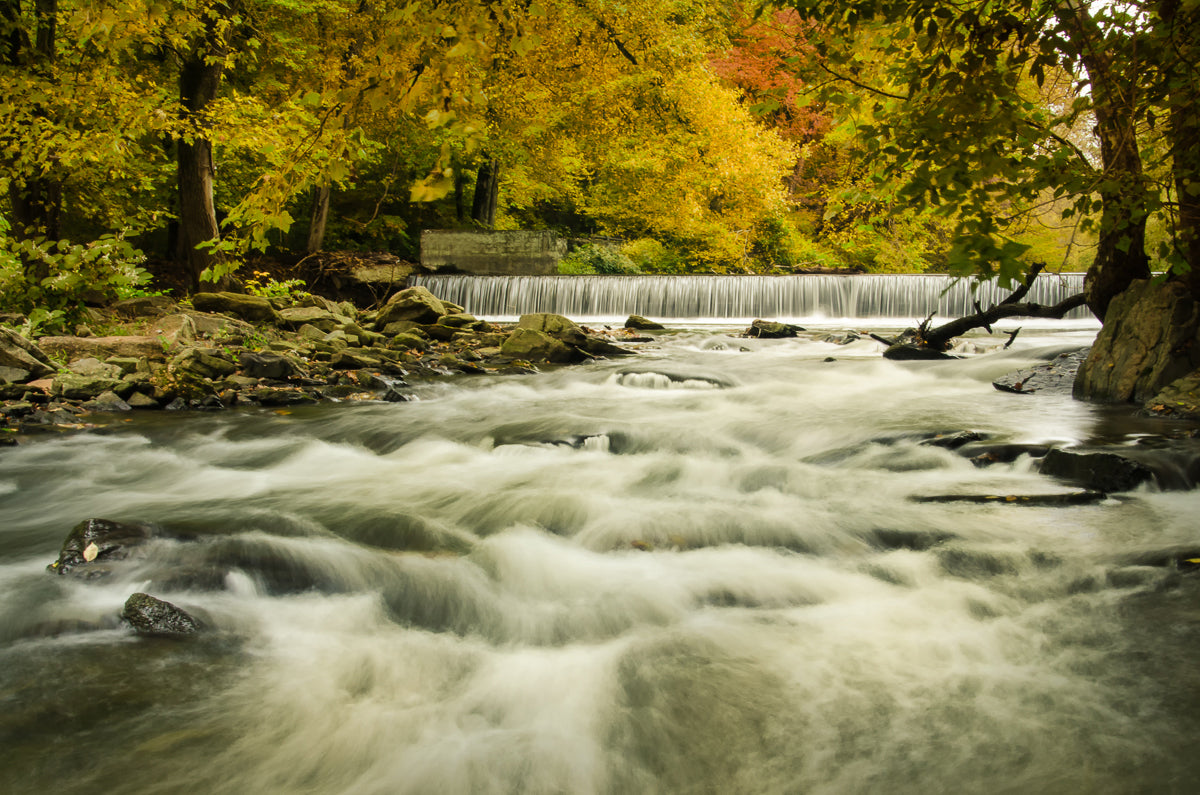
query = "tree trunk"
{"x": 487, "y": 191}
{"x": 199, "y": 80}
{"x": 1121, "y": 250}
{"x": 318, "y": 219}
{"x": 1183, "y": 53}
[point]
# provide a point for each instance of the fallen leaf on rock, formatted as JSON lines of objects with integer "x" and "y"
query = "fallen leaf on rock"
{"x": 90, "y": 552}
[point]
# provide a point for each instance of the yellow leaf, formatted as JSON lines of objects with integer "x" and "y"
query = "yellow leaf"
{"x": 90, "y": 552}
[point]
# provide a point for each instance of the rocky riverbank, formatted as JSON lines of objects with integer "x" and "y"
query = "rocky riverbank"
{"x": 221, "y": 350}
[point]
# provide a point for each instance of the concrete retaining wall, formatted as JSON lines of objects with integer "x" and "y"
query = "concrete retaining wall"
{"x": 493, "y": 253}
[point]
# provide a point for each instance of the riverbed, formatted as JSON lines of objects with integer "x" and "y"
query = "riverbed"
{"x": 700, "y": 569}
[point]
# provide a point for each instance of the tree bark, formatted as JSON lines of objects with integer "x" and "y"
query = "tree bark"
{"x": 199, "y": 80}
{"x": 319, "y": 219}
{"x": 1182, "y": 53}
{"x": 1121, "y": 250}
{"x": 487, "y": 191}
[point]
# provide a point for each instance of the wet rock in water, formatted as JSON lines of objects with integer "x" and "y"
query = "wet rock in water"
{"x": 97, "y": 541}
{"x": 1102, "y": 471}
{"x": 1070, "y": 498}
{"x": 1056, "y": 377}
{"x": 917, "y": 540}
{"x": 953, "y": 441}
{"x": 150, "y": 616}
{"x": 988, "y": 454}
{"x": 770, "y": 329}
{"x": 642, "y": 324}
{"x": 903, "y": 351}
{"x": 598, "y": 347}
{"x": 535, "y": 346}
{"x": 108, "y": 401}
{"x": 556, "y": 326}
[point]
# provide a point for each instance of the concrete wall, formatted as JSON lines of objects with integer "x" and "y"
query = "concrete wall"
{"x": 493, "y": 253}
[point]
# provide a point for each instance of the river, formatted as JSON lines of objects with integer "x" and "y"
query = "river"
{"x": 700, "y": 570}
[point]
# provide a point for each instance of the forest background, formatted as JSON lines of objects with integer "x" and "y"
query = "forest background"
{"x": 693, "y": 135}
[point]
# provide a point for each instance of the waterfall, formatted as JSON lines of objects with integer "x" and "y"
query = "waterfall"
{"x": 906, "y": 297}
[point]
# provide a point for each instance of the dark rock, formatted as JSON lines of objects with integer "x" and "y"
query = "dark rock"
{"x": 98, "y": 541}
{"x": 109, "y": 401}
{"x": 266, "y": 365}
{"x": 904, "y": 351}
{"x": 280, "y": 396}
{"x": 987, "y": 454}
{"x": 1102, "y": 471}
{"x": 953, "y": 441}
{"x": 150, "y": 616}
{"x": 1071, "y": 498}
{"x": 769, "y": 329}
{"x": 1150, "y": 337}
{"x": 596, "y": 346}
{"x": 642, "y": 324}
{"x": 140, "y": 401}
{"x": 203, "y": 362}
{"x": 1055, "y": 377}
{"x": 917, "y": 540}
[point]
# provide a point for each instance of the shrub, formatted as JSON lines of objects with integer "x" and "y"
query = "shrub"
{"x": 596, "y": 258}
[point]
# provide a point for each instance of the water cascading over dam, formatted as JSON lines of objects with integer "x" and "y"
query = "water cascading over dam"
{"x": 737, "y": 297}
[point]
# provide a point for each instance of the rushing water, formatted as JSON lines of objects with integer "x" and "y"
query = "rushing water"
{"x": 790, "y": 298}
{"x": 697, "y": 571}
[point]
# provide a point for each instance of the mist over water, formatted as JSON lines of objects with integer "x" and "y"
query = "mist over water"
{"x": 697, "y": 570}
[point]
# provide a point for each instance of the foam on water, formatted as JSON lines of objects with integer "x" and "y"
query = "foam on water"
{"x": 697, "y": 571}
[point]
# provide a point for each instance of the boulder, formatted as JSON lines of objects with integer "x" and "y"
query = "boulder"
{"x": 73, "y": 386}
{"x": 94, "y": 542}
{"x": 416, "y": 304}
{"x": 12, "y": 375}
{"x": 298, "y": 316}
{"x": 19, "y": 354}
{"x": 556, "y": 326}
{"x": 253, "y": 308}
{"x": 594, "y": 346}
{"x": 642, "y": 324}
{"x": 144, "y": 306}
{"x": 150, "y": 616}
{"x": 266, "y": 365}
{"x": 1180, "y": 398}
{"x": 537, "y": 346}
{"x": 769, "y": 329}
{"x": 203, "y": 362}
{"x": 108, "y": 401}
{"x": 72, "y": 348}
{"x": 1098, "y": 471}
{"x": 1150, "y": 338}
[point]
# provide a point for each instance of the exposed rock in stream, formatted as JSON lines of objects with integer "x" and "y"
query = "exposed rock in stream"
{"x": 93, "y": 543}
{"x": 246, "y": 350}
{"x": 152, "y": 616}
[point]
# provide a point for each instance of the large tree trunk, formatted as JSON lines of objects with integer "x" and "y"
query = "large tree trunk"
{"x": 1182, "y": 23}
{"x": 487, "y": 191}
{"x": 1121, "y": 251}
{"x": 318, "y": 219}
{"x": 199, "y": 80}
